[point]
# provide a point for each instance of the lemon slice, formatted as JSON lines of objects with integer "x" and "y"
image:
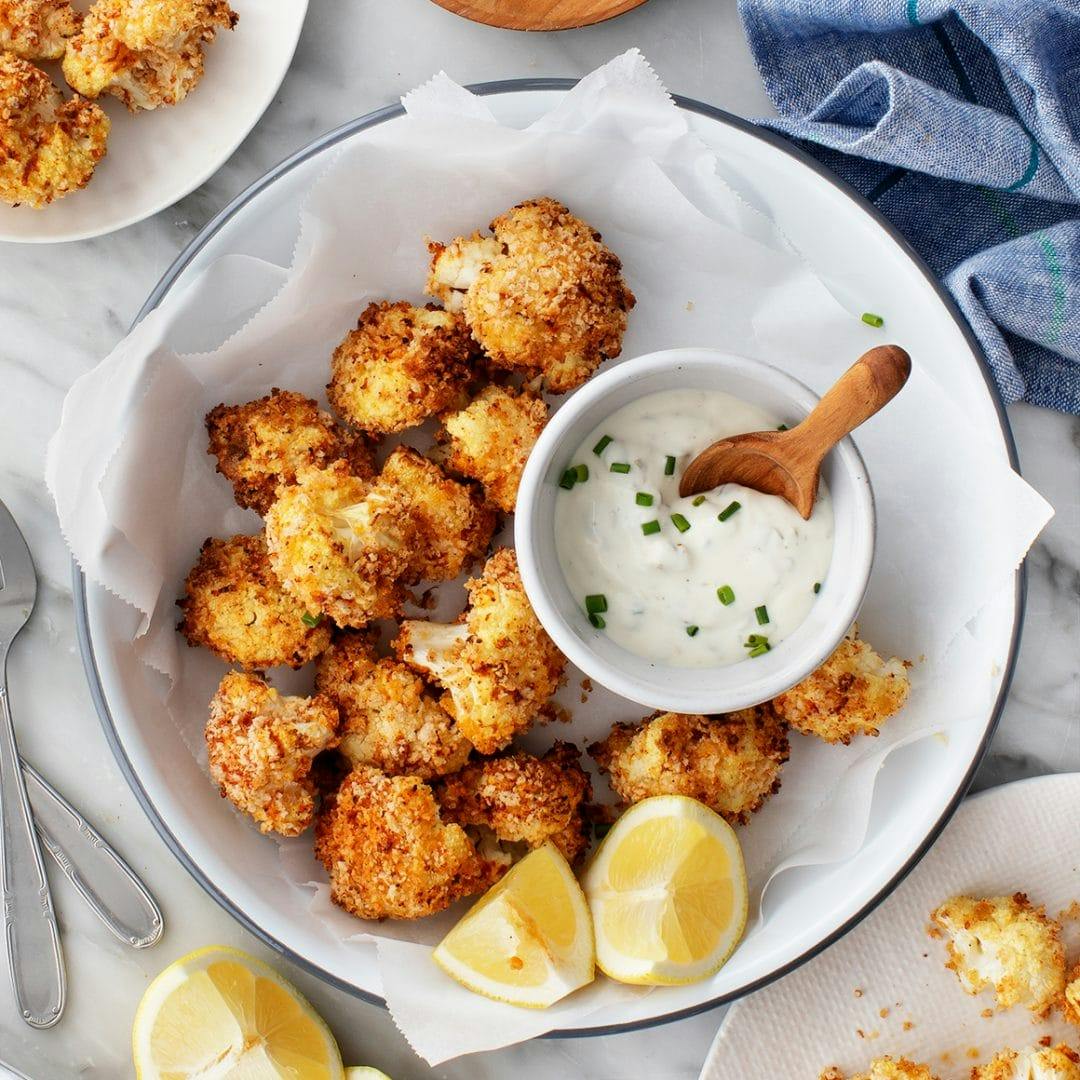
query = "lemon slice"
{"x": 364, "y": 1072}
{"x": 528, "y": 941}
{"x": 219, "y": 1012}
{"x": 667, "y": 891}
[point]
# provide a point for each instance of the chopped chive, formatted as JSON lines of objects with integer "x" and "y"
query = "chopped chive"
{"x": 726, "y": 595}
{"x": 596, "y": 603}
{"x": 691, "y": 631}
{"x": 698, "y": 501}
{"x": 597, "y": 620}
{"x": 650, "y": 528}
{"x": 781, "y": 427}
{"x": 643, "y": 498}
{"x": 731, "y": 508}
{"x": 581, "y": 473}
{"x": 569, "y": 479}
{"x": 311, "y": 620}
{"x": 756, "y": 639}
{"x": 602, "y": 445}
{"x": 762, "y": 614}
{"x": 871, "y": 319}
{"x": 817, "y": 587}
{"x": 680, "y": 522}
{"x": 759, "y": 650}
{"x": 620, "y": 466}
{"x": 669, "y": 465}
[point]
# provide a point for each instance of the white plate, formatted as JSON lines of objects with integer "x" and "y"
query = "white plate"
{"x": 1009, "y": 839}
{"x": 850, "y": 245}
{"x": 155, "y": 158}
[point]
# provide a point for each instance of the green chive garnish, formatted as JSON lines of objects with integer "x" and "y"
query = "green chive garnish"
{"x": 596, "y": 603}
{"x": 643, "y": 498}
{"x": 781, "y": 427}
{"x": 871, "y": 319}
{"x": 728, "y": 510}
{"x": 759, "y": 650}
{"x": 698, "y": 501}
{"x": 817, "y": 587}
{"x": 620, "y": 466}
{"x": 680, "y": 522}
{"x": 597, "y": 621}
{"x": 602, "y": 445}
{"x": 569, "y": 479}
{"x": 669, "y": 465}
{"x": 762, "y": 614}
{"x": 691, "y": 631}
{"x": 756, "y": 639}
{"x": 650, "y": 527}
{"x": 581, "y": 473}
{"x": 726, "y": 595}
{"x": 311, "y": 620}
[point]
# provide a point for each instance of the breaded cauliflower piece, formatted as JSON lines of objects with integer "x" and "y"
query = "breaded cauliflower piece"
{"x": 543, "y": 296}
{"x": 340, "y": 545}
{"x": 730, "y": 762}
{"x": 260, "y": 747}
{"x": 145, "y": 52}
{"x": 389, "y": 718}
{"x": 49, "y": 147}
{"x": 497, "y": 664}
{"x": 523, "y": 799}
{"x": 453, "y": 525}
{"x": 37, "y": 29}
{"x": 1070, "y": 1002}
{"x": 853, "y": 693}
{"x": 401, "y": 365}
{"x": 886, "y": 1068}
{"x": 491, "y": 439}
{"x": 235, "y": 606}
{"x": 1007, "y": 943}
{"x": 388, "y": 853}
{"x": 1059, "y": 1062}
{"x": 262, "y": 444}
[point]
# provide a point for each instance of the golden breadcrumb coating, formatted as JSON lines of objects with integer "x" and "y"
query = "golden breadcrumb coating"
{"x": 1070, "y": 1002}
{"x": 389, "y": 718}
{"x": 853, "y": 693}
{"x": 401, "y": 365}
{"x": 523, "y": 799}
{"x": 1059, "y": 1062}
{"x": 886, "y": 1068}
{"x": 497, "y": 664}
{"x": 262, "y": 444}
{"x": 260, "y": 747}
{"x": 37, "y": 29}
{"x": 145, "y": 52}
{"x": 235, "y": 606}
{"x": 340, "y": 545}
{"x": 389, "y": 854}
{"x": 491, "y": 439}
{"x": 1007, "y": 943}
{"x": 730, "y": 762}
{"x": 452, "y": 523}
{"x": 49, "y": 147}
{"x": 543, "y": 296}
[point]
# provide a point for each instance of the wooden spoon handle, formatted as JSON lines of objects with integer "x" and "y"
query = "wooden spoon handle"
{"x": 865, "y": 388}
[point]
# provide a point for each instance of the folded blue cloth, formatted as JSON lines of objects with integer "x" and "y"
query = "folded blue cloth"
{"x": 961, "y": 121}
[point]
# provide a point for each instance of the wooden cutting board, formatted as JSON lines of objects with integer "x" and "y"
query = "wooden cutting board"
{"x": 539, "y": 14}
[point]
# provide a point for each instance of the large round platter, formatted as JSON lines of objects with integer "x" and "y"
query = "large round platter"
{"x": 847, "y": 241}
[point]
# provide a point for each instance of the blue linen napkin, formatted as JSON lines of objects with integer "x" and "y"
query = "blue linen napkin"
{"x": 961, "y": 121}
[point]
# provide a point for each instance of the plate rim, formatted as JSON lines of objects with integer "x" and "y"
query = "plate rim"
{"x": 777, "y": 142}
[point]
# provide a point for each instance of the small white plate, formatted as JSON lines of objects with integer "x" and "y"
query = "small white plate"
{"x": 156, "y": 158}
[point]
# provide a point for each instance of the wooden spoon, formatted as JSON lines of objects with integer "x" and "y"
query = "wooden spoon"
{"x": 788, "y": 463}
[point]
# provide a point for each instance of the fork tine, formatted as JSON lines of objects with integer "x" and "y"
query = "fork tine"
{"x": 18, "y": 582}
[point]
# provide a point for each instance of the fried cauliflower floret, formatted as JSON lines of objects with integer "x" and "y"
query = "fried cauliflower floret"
{"x": 49, "y": 147}
{"x": 260, "y": 747}
{"x": 388, "y": 716}
{"x": 543, "y": 296}
{"x": 1070, "y": 1002}
{"x": 388, "y": 852}
{"x": 1007, "y": 943}
{"x": 263, "y": 444}
{"x": 491, "y": 439}
{"x": 37, "y": 29}
{"x": 235, "y": 606}
{"x": 730, "y": 762}
{"x": 498, "y": 666}
{"x": 1035, "y": 1063}
{"x": 145, "y": 52}
{"x": 523, "y": 799}
{"x": 886, "y": 1068}
{"x": 340, "y": 545}
{"x": 853, "y": 693}
{"x": 453, "y": 524}
{"x": 401, "y": 365}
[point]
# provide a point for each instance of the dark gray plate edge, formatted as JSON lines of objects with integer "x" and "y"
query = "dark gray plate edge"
{"x": 504, "y": 86}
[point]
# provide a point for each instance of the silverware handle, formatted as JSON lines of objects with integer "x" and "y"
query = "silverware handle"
{"x": 102, "y": 878}
{"x": 33, "y": 938}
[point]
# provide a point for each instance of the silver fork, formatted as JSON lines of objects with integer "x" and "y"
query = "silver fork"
{"x": 33, "y": 938}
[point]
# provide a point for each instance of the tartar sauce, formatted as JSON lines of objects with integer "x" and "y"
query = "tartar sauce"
{"x": 697, "y": 582}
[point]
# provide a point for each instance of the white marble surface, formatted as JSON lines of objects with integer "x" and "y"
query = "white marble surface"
{"x": 62, "y": 309}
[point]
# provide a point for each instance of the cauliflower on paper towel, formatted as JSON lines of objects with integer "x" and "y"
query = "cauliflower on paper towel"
{"x": 1035, "y": 1063}
{"x": 886, "y": 1068}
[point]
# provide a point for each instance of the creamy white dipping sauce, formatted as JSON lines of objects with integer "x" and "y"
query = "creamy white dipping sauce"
{"x": 659, "y": 585}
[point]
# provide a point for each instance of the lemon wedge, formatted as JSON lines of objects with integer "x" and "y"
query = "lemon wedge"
{"x": 667, "y": 891}
{"x": 528, "y": 941}
{"x": 364, "y": 1072}
{"x": 220, "y": 1012}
